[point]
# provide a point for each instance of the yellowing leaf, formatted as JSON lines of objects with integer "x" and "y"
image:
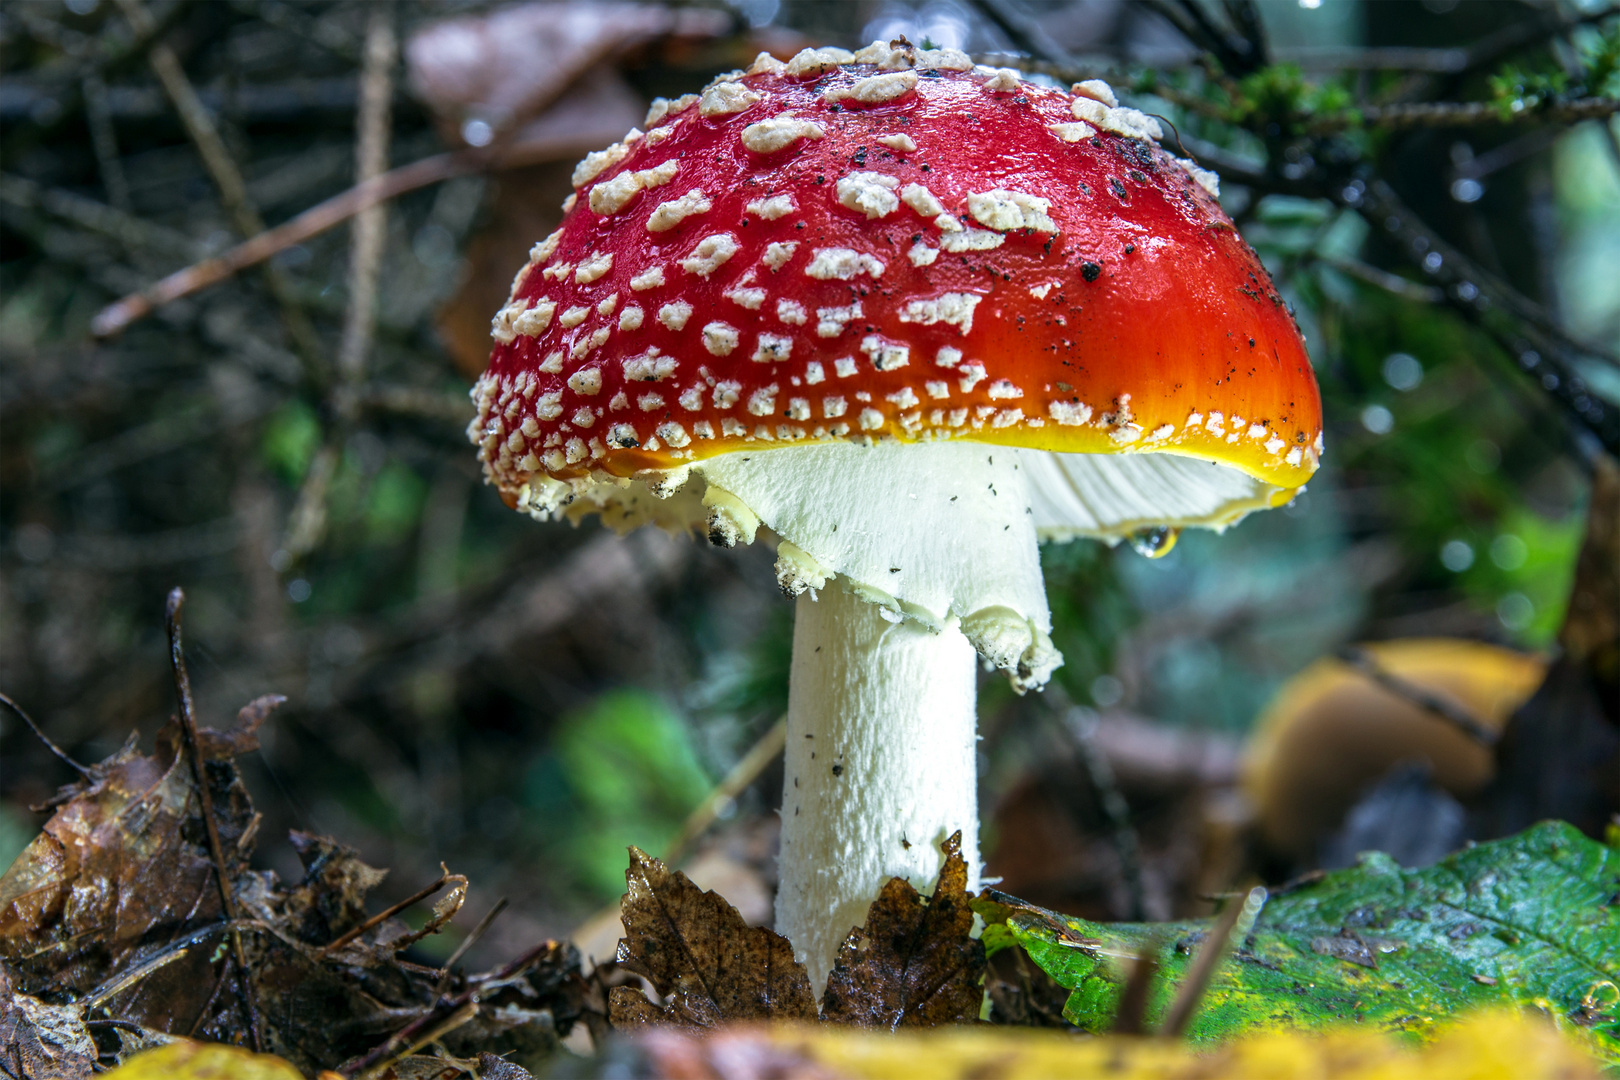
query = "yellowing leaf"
{"x": 203, "y": 1061}
{"x": 1488, "y": 1046}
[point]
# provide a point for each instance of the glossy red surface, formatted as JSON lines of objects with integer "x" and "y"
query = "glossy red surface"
{"x": 1143, "y": 308}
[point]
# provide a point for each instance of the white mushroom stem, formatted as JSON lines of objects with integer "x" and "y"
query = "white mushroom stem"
{"x": 880, "y": 766}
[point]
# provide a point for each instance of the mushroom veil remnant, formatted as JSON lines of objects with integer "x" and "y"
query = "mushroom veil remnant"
{"x": 903, "y": 318}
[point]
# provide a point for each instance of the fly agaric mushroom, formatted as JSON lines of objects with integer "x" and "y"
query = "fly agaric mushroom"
{"x": 908, "y": 316}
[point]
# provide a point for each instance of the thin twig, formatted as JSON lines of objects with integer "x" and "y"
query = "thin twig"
{"x": 470, "y": 940}
{"x": 1079, "y": 725}
{"x": 42, "y": 737}
{"x": 136, "y": 234}
{"x": 199, "y": 774}
{"x": 172, "y": 952}
{"x": 1209, "y": 957}
{"x": 408, "y": 1035}
{"x": 1025, "y": 33}
{"x": 117, "y": 316}
{"x": 438, "y": 1031}
{"x": 227, "y": 178}
{"x": 371, "y": 155}
{"x": 105, "y": 142}
{"x": 1463, "y": 114}
{"x": 742, "y": 774}
{"x": 1130, "y": 1017}
{"x": 1405, "y": 288}
{"x": 307, "y": 524}
{"x": 1473, "y": 290}
{"x": 387, "y": 913}
{"x": 1434, "y": 704}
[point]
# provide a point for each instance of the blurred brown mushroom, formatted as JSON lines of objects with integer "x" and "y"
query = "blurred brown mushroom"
{"x": 1333, "y": 730}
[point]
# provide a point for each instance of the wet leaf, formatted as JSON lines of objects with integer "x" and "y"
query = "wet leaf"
{"x": 122, "y": 866}
{"x": 186, "y": 1060}
{"x": 1493, "y": 1046}
{"x": 1530, "y": 921}
{"x": 914, "y": 963}
{"x": 115, "y": 904}
{"x": 40, "y": 1041}
{"x": 707, "y": 963}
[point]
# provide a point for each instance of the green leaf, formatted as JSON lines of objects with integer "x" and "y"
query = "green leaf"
{"x": 1531, "y": 921}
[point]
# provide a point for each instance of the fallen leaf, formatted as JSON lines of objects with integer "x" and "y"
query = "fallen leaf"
{"x": 119, "y": 872}
{"x": 115, "y": 906}
{"x": 491, "y": 1067}
{"x": 507, "y": 65}
{"x": 187, "y": 1060}
{"x": 914, "y": 963}
{"x": 40, "y": 1041}
{"x": 1376, "y": 944}
{"x": 709, "y": 965}
{"x": 1485, "y": 1047}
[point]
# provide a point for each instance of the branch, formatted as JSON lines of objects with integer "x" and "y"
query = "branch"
{"x": 39, "y": 734}
{"x": 227, "y": 179}
{"x": 136, "y": 234}
{"x": 199, "y": 774}
{"x": 1547, "y": 22}
{"x": 371, "y": 154}
{"x": 1026, "y": 34}
{"x": 1460, "y": 114}
{"x": 1541, "y": 346}
{"x": 117, "y": 316}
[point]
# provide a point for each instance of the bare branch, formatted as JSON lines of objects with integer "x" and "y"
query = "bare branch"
{"x": 39, "y": 734}
{"x": 227, "y": 179}
{"x": 371, "y": 155}
{"x": 1463, "y": 114}
{"x": 116, "y": 317}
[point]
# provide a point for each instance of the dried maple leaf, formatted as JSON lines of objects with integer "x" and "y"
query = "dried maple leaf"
{"x": 914, "y": 963}
{"x": 710, "y": 966}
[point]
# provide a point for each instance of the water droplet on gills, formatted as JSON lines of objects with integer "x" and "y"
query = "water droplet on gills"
{"x": 1156, "y": 542}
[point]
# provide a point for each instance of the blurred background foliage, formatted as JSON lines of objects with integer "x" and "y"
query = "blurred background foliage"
{"x": 523, "y": 701}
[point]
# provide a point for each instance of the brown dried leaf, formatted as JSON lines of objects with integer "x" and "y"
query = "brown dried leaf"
{"x": 506, "y": 66}
{"x": 709, "y": 965}
{"x": 115, "y": 902}
{"x": 914, "y": 963}
{"x": 123, "y": 864}
{"x": 42, "y": 1042}
{"x": 491, "y": 1067}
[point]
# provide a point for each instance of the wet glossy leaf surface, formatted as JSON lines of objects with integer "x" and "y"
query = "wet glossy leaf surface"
{"x": 1530, "y": 921}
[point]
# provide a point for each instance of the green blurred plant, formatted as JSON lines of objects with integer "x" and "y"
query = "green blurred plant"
{"x": 621, "y": 771}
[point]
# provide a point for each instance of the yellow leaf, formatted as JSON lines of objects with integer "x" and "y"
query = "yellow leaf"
{"x": 203, "y": 1061}
{"x": 1488, "y": 1046}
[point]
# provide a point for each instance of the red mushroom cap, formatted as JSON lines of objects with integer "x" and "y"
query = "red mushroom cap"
{"x": 904, "y": 247}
